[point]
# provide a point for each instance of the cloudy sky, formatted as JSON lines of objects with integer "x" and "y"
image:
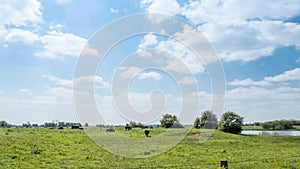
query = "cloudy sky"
{"x": 258, "y": 43}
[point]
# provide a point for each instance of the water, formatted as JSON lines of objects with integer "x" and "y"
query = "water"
{"x": 272, "y": 132}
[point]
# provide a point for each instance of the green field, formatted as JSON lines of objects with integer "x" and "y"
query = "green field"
{"x": 45, "y": 148}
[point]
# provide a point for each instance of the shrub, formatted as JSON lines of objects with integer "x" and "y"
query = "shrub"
{"x": 231, "y": 122}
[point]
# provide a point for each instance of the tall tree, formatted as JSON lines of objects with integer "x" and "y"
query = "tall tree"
{"x": 208, "y": 120}
{"x": 4, "y": 124}
{"x": 168, "y": 120}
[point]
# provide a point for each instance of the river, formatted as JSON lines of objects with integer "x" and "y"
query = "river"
{"x": 272, "y": 132}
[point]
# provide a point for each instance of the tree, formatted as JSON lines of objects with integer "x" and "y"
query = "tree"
{"x": 4, "y": 124}
{"x": 169, "y": 120}
{"x": 136, "y": 124}
{"x": 132, "y": 123}
{"x": 231, "y": 122}
{"x": 208, "y": 120}
{"x": 197, "y": 123}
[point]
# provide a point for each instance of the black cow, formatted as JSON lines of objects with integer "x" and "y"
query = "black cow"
{"x": 75, "y": 127}
{"x": 147, "y": 132}
{"x": 128, "y": 128}
{"x": 110, "y": 130}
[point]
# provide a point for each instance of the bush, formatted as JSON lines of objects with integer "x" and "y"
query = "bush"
{"x": 231, "y": 123}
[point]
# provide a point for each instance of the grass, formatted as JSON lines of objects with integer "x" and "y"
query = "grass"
{"x": 44, "y": 148}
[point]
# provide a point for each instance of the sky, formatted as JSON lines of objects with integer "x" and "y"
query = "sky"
{"x": 41, "y": 43}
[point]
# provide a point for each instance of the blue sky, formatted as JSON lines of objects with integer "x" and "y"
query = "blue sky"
{"x": 258, "y": 43}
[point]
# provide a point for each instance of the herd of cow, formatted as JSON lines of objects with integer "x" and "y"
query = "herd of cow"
{"x": 127, "y": 128}
{"x": 110, "y": 130}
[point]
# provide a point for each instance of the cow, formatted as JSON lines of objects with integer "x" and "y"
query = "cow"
{"x": 147, "y": 132}
{"x": 128, "y": 128}
{"x": 75, "y": 127}
{"x": 110, "y": 130}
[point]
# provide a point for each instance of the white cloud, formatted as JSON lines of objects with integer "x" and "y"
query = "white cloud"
{"x": 25, "y": 91}
{"x": 157, "y": 6}
{"x": 80, "y": 83}
{"x": 201, "y": 11}
{"x": 143, "y": 53}
{"x": 266, "y": 104}
{"x": 237, "y": 37}
{"x": 148, "y": 41}
{"x": 89, "y": 51}
{"x": 268, "y": 9}
{"x": 59, "y": 81}
{"x": 20, "y": 13}
{"x": 225, "y": 11}
{"x": 62, "y": 2}
{"x": 249, "y": 82}
{"x": 186, "y": 80}
{"x": 59, "y": 44}
{"x": 285, "y": 76}
{"x": 20, "y": 35}
{"x": 57, "y": 26}
{"x": 53, "y": 104}
{"x": 167, "y": 6}
{"x": 150, "y": 75}
{"x": 57, "y": 93}
{"x": 183, "y": 58}
{"x": 89, "y": 82}
{"x": 298, "y": 60}
{"x": 113, "y": 10}
{"x": 256, "y": 31}
{"x": 250, "y": 40}
{"x": 174, "y": 54}
{"x": 19, "y": 20}
{"x": 128, "y": 72}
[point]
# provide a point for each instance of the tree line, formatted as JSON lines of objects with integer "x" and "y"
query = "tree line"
{"x": 276, "y": 124}
{"x": 4, "y": 124}
{"x": 230, "y": 122}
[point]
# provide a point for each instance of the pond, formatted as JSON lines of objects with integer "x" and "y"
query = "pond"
{"x": 272, "y": 132}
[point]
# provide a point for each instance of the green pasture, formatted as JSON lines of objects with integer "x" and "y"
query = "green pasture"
{"x": 46, "y": 148}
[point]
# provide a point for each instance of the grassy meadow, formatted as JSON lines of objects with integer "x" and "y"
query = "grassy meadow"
{"x": 45, "y": 148}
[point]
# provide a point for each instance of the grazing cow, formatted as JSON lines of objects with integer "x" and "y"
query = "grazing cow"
{"x": 60, "y": 128}
{"x": 110, "y": 130}
{"x": 147, "y": 132}
{"x": 128, "y": 128}
{"x": 75, "y": 127}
